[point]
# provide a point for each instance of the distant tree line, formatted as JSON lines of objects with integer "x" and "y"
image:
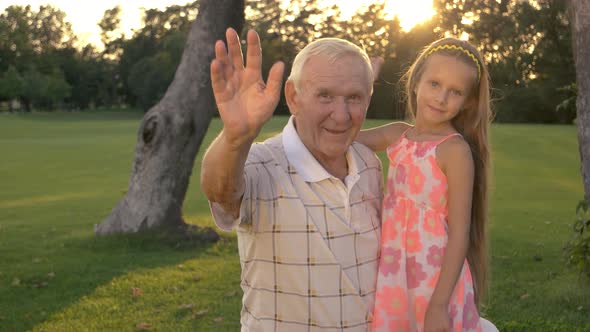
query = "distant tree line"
{"x": 527, "y": 45}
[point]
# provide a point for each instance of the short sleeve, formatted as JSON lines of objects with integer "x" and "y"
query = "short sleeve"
{"x": 226, "y": 220}
{"x": 254, "y": 187}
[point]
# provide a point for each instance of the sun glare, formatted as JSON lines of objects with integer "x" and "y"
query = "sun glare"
{"x": 84, "y": 21}
{"x": 409, "y": 12}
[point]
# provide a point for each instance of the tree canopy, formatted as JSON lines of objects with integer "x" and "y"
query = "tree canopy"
{"x": 527, "y": 46}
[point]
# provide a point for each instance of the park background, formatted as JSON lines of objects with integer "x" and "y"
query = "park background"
{"x": 70, "y": 111}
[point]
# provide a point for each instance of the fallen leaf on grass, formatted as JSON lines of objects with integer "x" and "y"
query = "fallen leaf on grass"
{"x": 50, "y": 275}
{"x": 36, "y": 260}
{"x": 580, "y": 308}
{"x": 42, "y": 284}
{"x": 15, "y": 282}
{"x": 218, "y": 320}
{"x": 524, "y": 296}
{"x": 144, "y": 326}
{"x": 186, "y": 306}
{"x": 198, "y": 313}
{"x": 136, "y": 292}
{"x": 197, "y": 278}
{"x": 231, "y": 294}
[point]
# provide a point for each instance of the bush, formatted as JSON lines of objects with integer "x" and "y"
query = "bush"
{"x": 578, "y": 248}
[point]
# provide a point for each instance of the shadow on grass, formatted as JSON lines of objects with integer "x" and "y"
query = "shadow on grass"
{"x": 87, "y": 263}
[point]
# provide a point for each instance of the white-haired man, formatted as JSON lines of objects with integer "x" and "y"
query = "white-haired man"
{"x": 305, "y": 203}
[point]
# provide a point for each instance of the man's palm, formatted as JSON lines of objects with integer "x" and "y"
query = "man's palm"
{"x": 245, "y": 103}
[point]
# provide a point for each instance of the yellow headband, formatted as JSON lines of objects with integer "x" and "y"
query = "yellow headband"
{"x": 458, "y": 48}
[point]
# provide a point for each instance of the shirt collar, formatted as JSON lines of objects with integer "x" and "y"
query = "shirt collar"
{"x": 304, "y": 162}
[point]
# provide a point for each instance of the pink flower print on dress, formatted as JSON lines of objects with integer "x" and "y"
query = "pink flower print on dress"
{"x": 393, "y": 300}
{"x": 403, "y": 211}
{"x": 470, "y": 315}
{"x": 421, "y": 150}
{"x": 413, "y": 242}
{"x": 389, "y": 261}
{"x": 436, "y": 172}
{"x": 415, "y": 179}
{"x": 388, "y": 231}
{"x": 453, "y": 317}
{"x": 414, "y": 273}
{"x": 420, "y": 306}
{"x": 435, "y": 256}
{"x": 377, "y": 319}
{"x": 438, "y": 196}
{"x": 400, "y": 174}
{"x": 389, "y": 199}
{"x": 432, "y": 281}
{"x": 399, "y": 325}
{"x": 433, "y": 223}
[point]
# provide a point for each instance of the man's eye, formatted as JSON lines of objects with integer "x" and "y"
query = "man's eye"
{"x": 354, "y": 98}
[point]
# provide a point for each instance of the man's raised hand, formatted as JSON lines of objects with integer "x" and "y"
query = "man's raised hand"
{"x": 244, "y": 101}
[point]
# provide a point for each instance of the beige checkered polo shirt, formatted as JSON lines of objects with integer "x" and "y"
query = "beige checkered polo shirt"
{"x": 309, "y": 262}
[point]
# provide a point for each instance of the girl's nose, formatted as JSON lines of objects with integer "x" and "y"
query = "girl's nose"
{"x": 441, "y": 96}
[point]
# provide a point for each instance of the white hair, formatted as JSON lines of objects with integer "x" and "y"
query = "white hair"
{"x": 333, "y": 49}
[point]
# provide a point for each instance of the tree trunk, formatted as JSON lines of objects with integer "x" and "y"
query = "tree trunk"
{"x": 172, "y": 131}
{"x": 580, "y": 21}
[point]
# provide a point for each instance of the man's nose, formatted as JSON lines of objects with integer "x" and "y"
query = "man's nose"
{"x": 340, "y": 109}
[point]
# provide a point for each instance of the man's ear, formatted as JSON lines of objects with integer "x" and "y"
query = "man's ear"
{"x": 291, "y": 96}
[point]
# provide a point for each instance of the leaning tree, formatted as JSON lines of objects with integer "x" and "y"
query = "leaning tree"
{"x": 171, "y": 132}
{"x": 580, "y": 21}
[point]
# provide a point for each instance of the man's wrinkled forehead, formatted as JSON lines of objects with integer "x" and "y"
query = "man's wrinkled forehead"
{"x": 328, "y": 73}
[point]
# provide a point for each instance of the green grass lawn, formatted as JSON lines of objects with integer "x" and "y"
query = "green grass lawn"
{"x": 62, "y": 173}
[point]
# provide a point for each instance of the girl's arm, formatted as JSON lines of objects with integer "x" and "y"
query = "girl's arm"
{"x": 456, "y": 161}
{"x": 379, "y": 138}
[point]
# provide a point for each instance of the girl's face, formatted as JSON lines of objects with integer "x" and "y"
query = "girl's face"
{"x": 443, "y": 90}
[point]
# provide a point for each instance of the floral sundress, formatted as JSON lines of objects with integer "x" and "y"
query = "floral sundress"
{"x": 413, "y": 241}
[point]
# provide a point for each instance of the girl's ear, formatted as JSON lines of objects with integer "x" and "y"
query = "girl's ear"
{"x": 291, "y": 96}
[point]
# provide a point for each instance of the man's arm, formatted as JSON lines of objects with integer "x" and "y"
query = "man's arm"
{"x": 245, "y": 103}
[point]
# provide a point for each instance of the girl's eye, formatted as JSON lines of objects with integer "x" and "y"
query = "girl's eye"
{"x": 433, "y": 83}
{"x": 456, "y": 93}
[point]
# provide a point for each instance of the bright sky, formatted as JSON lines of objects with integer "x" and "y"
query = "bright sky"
{"x": 84, "y": 15}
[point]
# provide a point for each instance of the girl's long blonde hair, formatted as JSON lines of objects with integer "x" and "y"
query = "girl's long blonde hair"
{"x": 473, "y": 123}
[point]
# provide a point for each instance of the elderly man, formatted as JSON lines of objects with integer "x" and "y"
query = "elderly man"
{"x": 305, "y": 203}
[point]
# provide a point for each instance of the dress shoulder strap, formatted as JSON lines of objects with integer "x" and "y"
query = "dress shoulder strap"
{"x": 442, "y": 140}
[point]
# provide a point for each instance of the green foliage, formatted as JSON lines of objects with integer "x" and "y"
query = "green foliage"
{"x": 150, "y": 77}
{"x": 526, "y": 44}
{"x": 566, "y": 110}
{"x": 11, "y": 84}
{"x": 577, "y": 249}
{"x": 45, "y": 91}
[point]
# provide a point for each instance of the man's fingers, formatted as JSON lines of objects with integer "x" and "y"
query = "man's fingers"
{"x": 222, "y": 57}
{"x": 218, "y": 81}
{"x": 275, "y": 79}
{"x": 254, "y": 55}
{"x": 235, "y": 49}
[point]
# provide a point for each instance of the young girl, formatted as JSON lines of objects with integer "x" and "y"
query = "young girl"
{"x": 432, "y": 271}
